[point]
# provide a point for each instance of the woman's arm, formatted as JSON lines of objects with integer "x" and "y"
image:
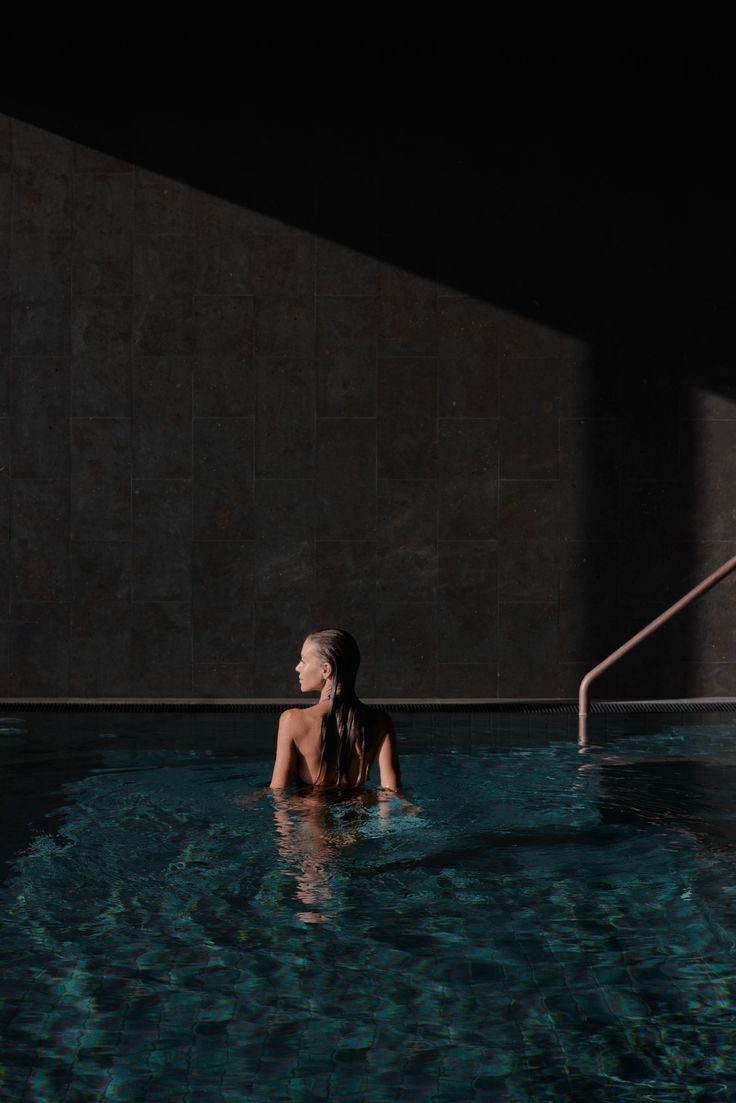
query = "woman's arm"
{"x": 388, "y": 759}
{"x": 283, "y": 767}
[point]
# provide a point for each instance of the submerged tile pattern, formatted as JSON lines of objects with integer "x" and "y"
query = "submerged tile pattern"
{"x": 218, "y": 430}
{"x": 549, "y": 933}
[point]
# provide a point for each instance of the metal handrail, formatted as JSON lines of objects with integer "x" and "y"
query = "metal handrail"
{"x": 707, "y": 583}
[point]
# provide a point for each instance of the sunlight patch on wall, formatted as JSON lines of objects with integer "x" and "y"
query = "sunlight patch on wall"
{"x": 714, "y": 446}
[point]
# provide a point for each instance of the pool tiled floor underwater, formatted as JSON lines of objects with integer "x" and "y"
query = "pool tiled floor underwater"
{"x": 162, "y": 941}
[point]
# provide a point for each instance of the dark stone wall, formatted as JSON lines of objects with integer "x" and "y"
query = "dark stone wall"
{"x": 462, "y": 384}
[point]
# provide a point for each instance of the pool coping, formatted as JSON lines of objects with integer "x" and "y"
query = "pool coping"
{"x": 404, "y": 704}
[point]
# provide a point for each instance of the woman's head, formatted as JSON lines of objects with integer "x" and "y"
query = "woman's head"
{"x": 332, "y": 655}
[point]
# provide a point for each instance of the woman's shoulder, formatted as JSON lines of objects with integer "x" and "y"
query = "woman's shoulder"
{"x": 295, "y": 715}
{"x": 298, "y": 719}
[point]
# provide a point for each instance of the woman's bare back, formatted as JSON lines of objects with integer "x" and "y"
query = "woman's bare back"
{"x": 299, "y": 745}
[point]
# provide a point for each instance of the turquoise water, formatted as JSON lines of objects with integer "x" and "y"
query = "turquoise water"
{"x": 534, "y": 923}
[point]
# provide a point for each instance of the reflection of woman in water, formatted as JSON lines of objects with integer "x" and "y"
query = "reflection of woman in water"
{"x": 310, "y": 840}
{"x": 334, "y": 743}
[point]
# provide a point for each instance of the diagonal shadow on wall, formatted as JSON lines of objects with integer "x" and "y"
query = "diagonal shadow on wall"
{"x": 581, "y": 192}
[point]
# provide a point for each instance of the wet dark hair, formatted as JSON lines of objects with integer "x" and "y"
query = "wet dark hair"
{"x": 345, "y": 729}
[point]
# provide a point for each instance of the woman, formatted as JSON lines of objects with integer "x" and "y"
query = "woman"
{"x": 334, "y": 743}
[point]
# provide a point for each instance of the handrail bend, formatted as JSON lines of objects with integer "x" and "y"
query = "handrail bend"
{"x": 707, "y": 583}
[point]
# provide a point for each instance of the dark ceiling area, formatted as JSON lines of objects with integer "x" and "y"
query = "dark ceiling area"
{"x": 583, "y": 186}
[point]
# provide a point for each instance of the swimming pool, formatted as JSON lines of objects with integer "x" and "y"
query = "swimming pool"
{"x": 536, "y": 923}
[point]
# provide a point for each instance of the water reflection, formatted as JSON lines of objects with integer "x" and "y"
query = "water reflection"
{"x": 314, "y": 830}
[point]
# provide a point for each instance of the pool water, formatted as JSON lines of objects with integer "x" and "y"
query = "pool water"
{"x": 531, "y": 923}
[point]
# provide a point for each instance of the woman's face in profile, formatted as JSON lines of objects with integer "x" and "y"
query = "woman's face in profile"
{"x": 312, "y": 672}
